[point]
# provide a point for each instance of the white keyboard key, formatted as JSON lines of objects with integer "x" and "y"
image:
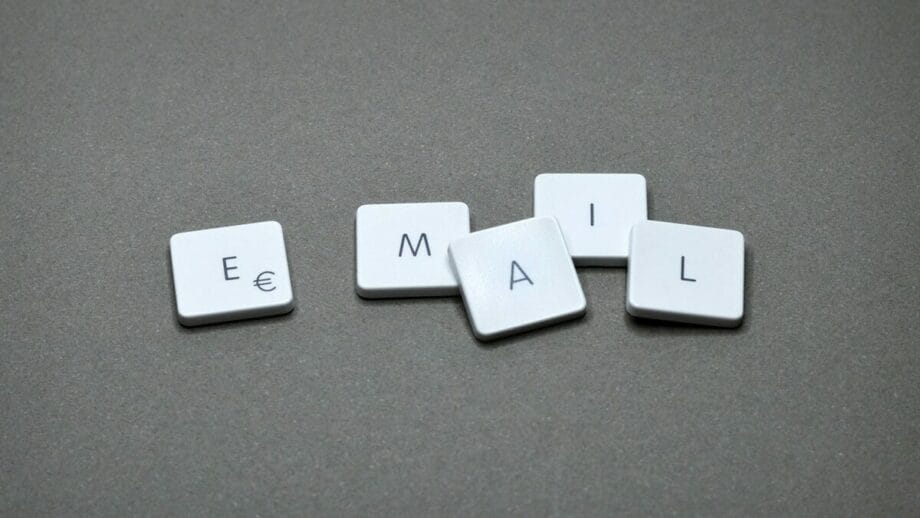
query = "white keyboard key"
{"x": 686, "y": 273}
{"x": 401, "y": 248}
{"x": 595, "y": 212}
{"x": 230, "y": 273}
{"x": 516, "y": 277}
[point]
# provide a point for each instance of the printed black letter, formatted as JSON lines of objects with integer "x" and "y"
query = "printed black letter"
{"x": 418, "y": 246}
{"x": 516, "y": 266}
{"x": 228, "y": 268}
{"x": 682, "y": 277}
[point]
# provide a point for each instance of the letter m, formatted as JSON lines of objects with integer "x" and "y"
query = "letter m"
{"x": 418, "y": 245}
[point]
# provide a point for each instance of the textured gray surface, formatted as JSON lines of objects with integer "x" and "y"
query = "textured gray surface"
{"x": 122, "y": 123}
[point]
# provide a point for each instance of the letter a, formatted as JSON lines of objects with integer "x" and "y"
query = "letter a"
{"x": 516, "y": 266}
{"x": 418, "y": 246}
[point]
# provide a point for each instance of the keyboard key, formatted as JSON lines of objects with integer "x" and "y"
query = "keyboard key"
{"x": 516, "y": 277}
{"x": 686, "y": 273}
{"x": 230, "y": 273}
{"x": 595, "y": 212}
{"x": 402, "y": 248}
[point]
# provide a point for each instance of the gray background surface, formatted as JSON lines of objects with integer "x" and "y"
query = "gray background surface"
{"x": 123, "y": 123}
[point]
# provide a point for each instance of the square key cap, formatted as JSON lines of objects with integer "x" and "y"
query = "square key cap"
{"x": 230, "y": 273}
{"x": 686, "y": 273}
{"x": 401, "y": 248}
{"x": 595, "y": 212}
{"x": 516, "y": 277}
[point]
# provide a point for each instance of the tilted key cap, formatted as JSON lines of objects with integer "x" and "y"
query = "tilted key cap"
{"x": 516, "y": 277}
{"x": 595, "y": 212}
{"x": 401, "y": 248}
{"x": 230, "y": 273}
{"x": 686, "y": 273}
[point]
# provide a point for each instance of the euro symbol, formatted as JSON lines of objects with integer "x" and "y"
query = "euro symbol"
{"x": 261, "y": 282}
